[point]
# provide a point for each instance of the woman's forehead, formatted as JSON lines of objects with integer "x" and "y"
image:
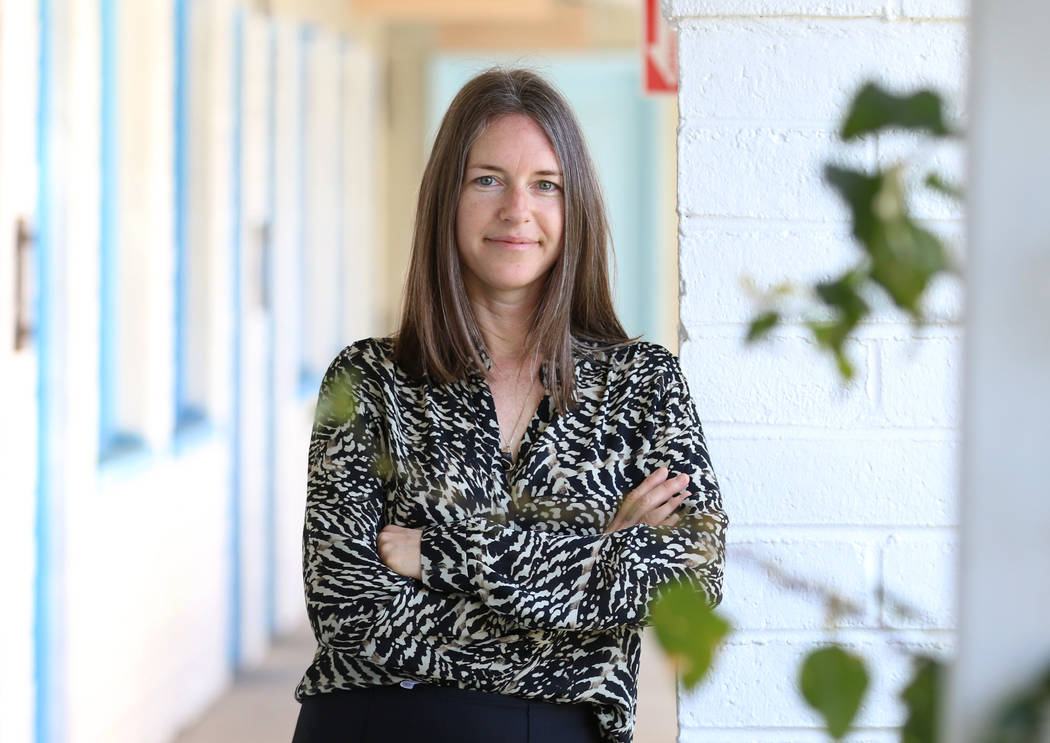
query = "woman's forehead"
{"x": 511, "y": 138}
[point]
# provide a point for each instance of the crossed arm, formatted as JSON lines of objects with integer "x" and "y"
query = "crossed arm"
{"x": 365, "y": 579}
{"x": 653, "y": 503}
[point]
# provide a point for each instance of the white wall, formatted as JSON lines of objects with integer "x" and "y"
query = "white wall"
{"x": 849, "y": 488}
{"x": 144, "y": 545}
{"x": 141, "y": 552}
{"x": 18, "y": 370}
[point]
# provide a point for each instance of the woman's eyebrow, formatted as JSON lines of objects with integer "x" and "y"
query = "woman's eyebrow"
{"x": 497, "y": 169}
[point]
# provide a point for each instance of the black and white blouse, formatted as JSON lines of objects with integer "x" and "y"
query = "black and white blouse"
{"x": 521, "y": 593}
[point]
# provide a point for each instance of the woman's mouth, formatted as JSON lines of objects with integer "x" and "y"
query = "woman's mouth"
{"x": 511, "y": 243}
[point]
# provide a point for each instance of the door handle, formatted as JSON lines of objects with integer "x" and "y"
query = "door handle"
{"x": 264, "y": 241}
{"x": 25, "y": 241}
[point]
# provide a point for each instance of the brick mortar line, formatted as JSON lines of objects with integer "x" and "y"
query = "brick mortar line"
{"x": 694, "y": 123}
{"x": 694, "y": 21}
{"x": 792, "y": 533}
{"x": 874, "y": 331}
{"x": 843, "y": 225}
{"x": 719, "y": 430}
{"x": 845, "y": 635}
{"x": 686, "y": 214}
{"x": 782, "y": 728}
{"x": 687, "y": 123}
{"x": 864, "y": 530}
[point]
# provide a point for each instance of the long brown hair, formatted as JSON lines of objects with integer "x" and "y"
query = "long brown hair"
{"x": 439, "y": 335}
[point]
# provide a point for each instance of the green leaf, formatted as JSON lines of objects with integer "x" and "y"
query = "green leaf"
{"x": 942, "y": 186}
{"x": 858, "y": 190}
{"x": 842, "y": 295}
{"x": 761, "y": 325}
{"x": 904, "y": 256}
{"x": 874, "y": 109}
{"x": 831, "y": 335}
{"x": 337, "y": 402}
{"x": 845, "y": 366}
{"x": 833, "y": 683}
{"x": 1021, "y": 718}
{"x": 922, "y": 698}
{"x": 905, "y": 263}
{"x": 688, "y": 629}
{"x": 383, "y": 467}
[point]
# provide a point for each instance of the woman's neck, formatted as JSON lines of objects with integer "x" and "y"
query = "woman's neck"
{"x": 505, "y": 323}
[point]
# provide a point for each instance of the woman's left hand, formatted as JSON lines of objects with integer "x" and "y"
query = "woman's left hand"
{"x": 399, "y": 549}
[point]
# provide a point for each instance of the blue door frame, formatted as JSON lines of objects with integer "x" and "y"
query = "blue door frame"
{"x": 45, "y": 602}
{"x": 271, "y": 392}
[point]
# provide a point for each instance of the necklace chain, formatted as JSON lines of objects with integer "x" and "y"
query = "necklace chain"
{"x": 505, "y": 444}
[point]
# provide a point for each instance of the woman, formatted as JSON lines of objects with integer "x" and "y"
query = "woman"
{"x": 495, "y": 493}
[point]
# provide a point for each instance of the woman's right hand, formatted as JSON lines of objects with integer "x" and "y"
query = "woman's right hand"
{"x": 653, "y": 502}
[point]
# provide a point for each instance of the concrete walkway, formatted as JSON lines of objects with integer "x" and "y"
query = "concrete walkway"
{"x": 260, "y": 707}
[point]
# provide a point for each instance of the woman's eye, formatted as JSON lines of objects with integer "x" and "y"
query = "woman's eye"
{"x": 485, "y": 180}
{"x": 548, "y": 186}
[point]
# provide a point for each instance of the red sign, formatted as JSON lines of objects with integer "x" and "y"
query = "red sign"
{"x": 660, "y": 51}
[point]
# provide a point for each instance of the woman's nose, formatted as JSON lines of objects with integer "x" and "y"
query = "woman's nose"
{"x": 515, "y": 204}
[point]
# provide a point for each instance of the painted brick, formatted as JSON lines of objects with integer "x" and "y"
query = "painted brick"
{"x": 779, "y": 735}
{"x": 920, "y": 573}
{"x": 761, "y": 172}
{"x": 759, "y": 102}
{"x": 726, "y": 268}
{"x": 780, "y": 482}
{"x": 780, "y": 69}
{"x": 718, "y": 263}
{"x": 934, "y": 8}
{"x": 921, "y": 380}
{"x": 781, "y": 381}
{"x": 852, "y": 8}
{"x": 785, "y": 583}
{"x": 753, "y": 683}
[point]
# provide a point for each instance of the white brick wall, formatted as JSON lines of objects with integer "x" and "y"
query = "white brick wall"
{"x": 836, "y": 478}
{"x": 723, "y": 258}
{"x": 753, "y": 685}
{"x": 757, "y": 8}
{"x": 848, "y": 488}
{"x": 933, "y": 8}
{"x": 726, "y": 170}
{"x": 747, "y": 68}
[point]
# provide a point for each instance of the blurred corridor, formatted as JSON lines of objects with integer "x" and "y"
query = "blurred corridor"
{"x": 201, "y": 203}
{"x": 258, "y": 708}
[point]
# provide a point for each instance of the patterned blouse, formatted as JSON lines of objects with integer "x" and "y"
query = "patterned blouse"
{"x": 521, "y": 593}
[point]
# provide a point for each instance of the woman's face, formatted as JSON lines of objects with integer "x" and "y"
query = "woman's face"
{"x": 511, "y": 211}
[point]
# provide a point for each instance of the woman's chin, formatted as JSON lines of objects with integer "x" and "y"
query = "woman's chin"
{"x": 507, "y": 282}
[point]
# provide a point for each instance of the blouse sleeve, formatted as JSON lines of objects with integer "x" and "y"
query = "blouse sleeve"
{"x": 582, "y": 583}
{"x": 351, "y": 596}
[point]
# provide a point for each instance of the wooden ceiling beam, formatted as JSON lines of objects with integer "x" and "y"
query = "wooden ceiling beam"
{"x": 568, "y": 28}
{"x": 449, "y": 11}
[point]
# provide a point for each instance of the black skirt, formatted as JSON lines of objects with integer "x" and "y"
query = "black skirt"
{"x": 395, "y": 714}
